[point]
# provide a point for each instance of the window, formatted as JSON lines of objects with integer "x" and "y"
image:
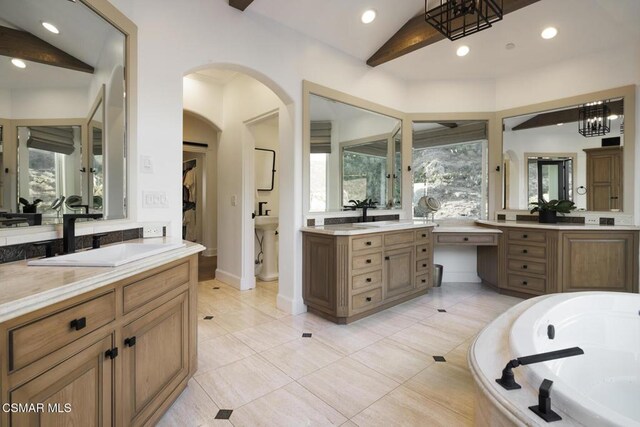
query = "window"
{"x": 450, "y": 164}
{"x": 318, "y": 172}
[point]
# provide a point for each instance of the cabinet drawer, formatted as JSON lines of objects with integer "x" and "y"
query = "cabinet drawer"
{"x": 422, "y": 265}
{"x": 422, "y": 251}
{"x": 365, "y": 300}
{"x": 531, "y": 267}
{"x": 366, "y": 280}
{"x": 369, "y": 242}
{"x": 365, "y": 261}
{"x": 30, "y": 342}
{"x": 423, "y": 281}
{"x": 524, "y": 283}
{"x": 423, "y": 235}
{"x": 391, "y": 239}
{"x": 466, "y": 239}
{"x": 527, "y": 236}
{"x": 139, "y": 293}
{"x": 537, "y": 252}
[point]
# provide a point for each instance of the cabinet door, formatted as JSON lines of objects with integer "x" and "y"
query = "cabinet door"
{"x": 77, "y": 392}
{"x": 154, "y": 358}
{"x": 399, "y": 271}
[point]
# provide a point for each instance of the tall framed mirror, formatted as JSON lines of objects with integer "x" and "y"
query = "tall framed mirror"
{"x": 64, "y": 110}
{"x": 580, "y": 149}
{"x": 353, "y": 151}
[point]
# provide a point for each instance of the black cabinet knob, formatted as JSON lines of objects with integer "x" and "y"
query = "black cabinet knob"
{"x": 387, "y": 258}
{"x": 424, "y": 235}
{"x": 424, "y": 250}
{"x": 368, "y": 243}
{"x": 130, "y": 342}
{"x": 524, "y": 251}
{"x": 368, "y": 298}
{"x": 368, "y": 261}
{"x": 424, "y": 265}
{"x": 424, "y": 280}
{"x": 525, "y": 283}
{"x": 112, "y": 353}
{"x": 524, "y": 266}
{"x": 466, "y": 239}
{"x": 524, "y": 236}
{"x": 368, "y": 279}
{"x": 78, "y": 324}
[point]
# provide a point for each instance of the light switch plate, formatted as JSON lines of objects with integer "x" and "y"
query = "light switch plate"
{"x": 154, "y": 199}
{"x": 146, "y": 164}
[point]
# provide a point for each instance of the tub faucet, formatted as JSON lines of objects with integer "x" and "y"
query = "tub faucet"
{"x": 508, "y": 380}
{"x": 69, "y": 230}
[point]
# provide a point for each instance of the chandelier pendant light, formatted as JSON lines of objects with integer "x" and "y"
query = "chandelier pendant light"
{"x": 593, "y": 119}
{"x": 459, "y": 18}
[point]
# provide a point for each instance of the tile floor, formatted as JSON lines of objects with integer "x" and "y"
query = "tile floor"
{"x": 379, "y": 371}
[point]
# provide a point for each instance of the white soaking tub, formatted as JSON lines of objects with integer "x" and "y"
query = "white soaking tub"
{"x": 602, "y": 386}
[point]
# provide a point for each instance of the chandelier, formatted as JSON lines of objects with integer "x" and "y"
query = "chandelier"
{"x": 594, "y": 119}
{"x": 459, "y": 18}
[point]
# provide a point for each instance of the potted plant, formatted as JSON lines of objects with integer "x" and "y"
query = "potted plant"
{"x": 548, "y": 211}
{"x": 29, "y": 207}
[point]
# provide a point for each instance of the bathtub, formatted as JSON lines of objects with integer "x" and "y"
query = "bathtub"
{"x": 601, "y": 387}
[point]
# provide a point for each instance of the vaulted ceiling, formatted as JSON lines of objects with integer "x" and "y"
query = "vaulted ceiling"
{"x": 584, "y": 27}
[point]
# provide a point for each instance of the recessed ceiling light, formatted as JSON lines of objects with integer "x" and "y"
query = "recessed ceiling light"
{"x": 462, "y": 50}
{"x": 51, "y": 27}
{"x": 368, "y": 16}
{"x": 18, "y": 63}
{"x": 510, "y": 46}
{"x": 549, "y": 33}
{"x": 613, "y": 117}
{"x": 560, "y": 124}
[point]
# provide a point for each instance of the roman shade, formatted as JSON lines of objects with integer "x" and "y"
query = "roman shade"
{"x": 321, "y": 137}
{"x": 58, "y": 139}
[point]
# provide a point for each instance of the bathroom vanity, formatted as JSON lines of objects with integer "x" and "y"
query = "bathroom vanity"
{"x": 535, "y": 259}
{"x": 96, "y": 345}
{"x": 350, "y": 271}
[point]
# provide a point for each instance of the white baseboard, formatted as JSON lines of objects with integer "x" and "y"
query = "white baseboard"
{"x": 210, "y": 252}
{"x": 461, "y": 277}
{"x": 289, "y": 305}
{"x": 247, "y": 283}
{"x": 228, "y": 278}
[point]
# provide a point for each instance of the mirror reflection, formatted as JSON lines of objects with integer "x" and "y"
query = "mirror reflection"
{"x": 63, "y": 113}
{"x": 574, "y": 153}
{"x": 355, "y": 154}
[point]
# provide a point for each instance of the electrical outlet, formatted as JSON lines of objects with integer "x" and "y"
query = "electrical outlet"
{"x": 510, "y": 216}
{"x": 591, "y": 220}
{"x": 152, "y": 231}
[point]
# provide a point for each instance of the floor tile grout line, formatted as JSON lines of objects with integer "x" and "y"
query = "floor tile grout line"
{"x": 321, "y": 399}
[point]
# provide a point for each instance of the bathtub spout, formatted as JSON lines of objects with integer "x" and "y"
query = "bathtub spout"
{"x": 508, "y": 380}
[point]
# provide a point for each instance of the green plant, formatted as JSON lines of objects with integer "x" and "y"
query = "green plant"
{"x": 366, "y": 203}
{"x": 559, "y": 206}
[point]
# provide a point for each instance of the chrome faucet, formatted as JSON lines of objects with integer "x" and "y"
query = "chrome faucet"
{"x": 69, "y": 230}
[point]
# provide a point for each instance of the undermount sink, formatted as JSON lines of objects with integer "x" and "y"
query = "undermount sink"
{"x": 108, "y": 256}
{"x": 381, "y": 224}
{"x": 266, "y": 222}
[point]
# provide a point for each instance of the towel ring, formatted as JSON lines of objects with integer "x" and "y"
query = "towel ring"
{"x": 582, "y": 190}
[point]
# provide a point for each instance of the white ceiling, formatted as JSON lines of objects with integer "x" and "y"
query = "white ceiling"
{"x": 585, "y": 26}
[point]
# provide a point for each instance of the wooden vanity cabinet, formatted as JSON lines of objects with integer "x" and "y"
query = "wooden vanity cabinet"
{"x": 349, "y": 277}
{"x": 530, "y": 262}
{"x": 119, "y": 355}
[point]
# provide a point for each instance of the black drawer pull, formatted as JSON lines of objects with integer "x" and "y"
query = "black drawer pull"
{"x": 524, "y": 251}
{"x": 387, "y": 258}
{"x": 368, "y": 261}
{"x": 78, "y": 324}
{"x": 424, "y": 280}
{"x": 524, "y": 236}
{"x": 368, "y": 243}
{"x": 524, "y": 267}
{"x": 525, "y": 283}
{"x": 368, "y": 279}
{"x": 424, "y": 265}
{"x": 368, "y": 298}
{"x": 424, "y": 235}
{"x": 424, "y": 250}
{"x": 130, "y": 342}
{"x": 466, "y": 239}
{"x": 111, "y": 354}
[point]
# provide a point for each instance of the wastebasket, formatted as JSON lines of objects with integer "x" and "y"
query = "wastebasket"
{"x": 437, "y": 275}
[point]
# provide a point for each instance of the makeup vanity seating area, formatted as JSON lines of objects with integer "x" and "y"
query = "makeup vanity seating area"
{"x": 97, "y": 345}
{"x": 350, "y": 272}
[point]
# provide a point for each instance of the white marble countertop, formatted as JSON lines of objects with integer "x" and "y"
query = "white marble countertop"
{"x": 468, "y": 229}
{"x": 24, "y": 288}
{"x": 352, "y": 230}
{"x": 559, "y": 226}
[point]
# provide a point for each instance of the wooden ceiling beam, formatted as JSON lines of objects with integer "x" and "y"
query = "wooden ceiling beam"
{"x": 240, "y": 4}
{"x": 24, "y": 45}
{"x": 563, "y": 116}
{"x": 417, "y": 33}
